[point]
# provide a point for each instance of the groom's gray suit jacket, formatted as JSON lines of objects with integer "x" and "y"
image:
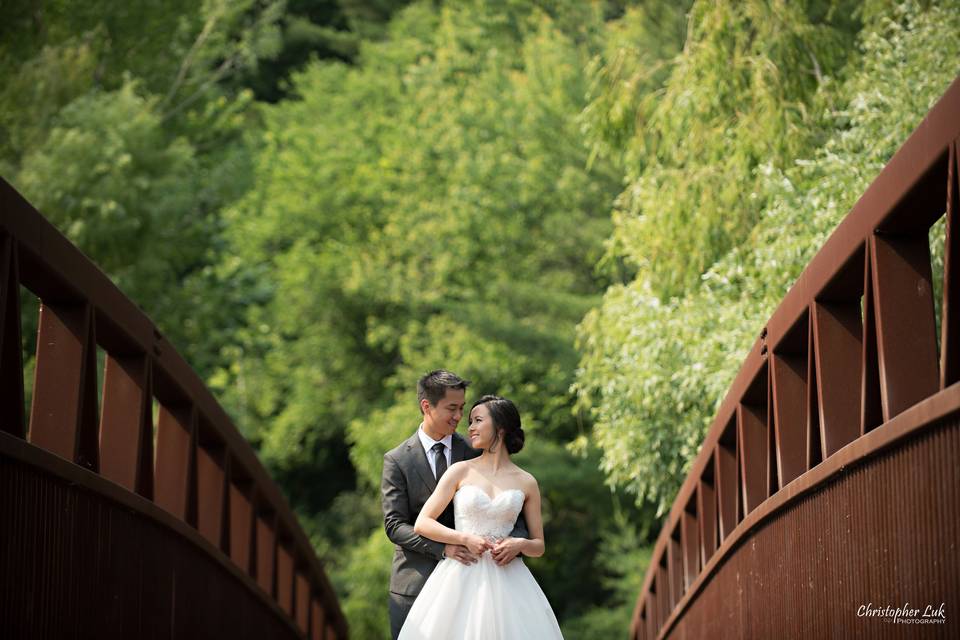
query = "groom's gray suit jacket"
{"x": 406, "y": 485}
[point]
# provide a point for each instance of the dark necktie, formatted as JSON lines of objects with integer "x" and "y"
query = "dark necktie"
{"x": 440, "y": 458}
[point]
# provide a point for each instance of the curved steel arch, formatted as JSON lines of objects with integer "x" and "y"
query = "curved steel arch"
{"x": 115, "y": 522}
{"x": 829, "y": 479}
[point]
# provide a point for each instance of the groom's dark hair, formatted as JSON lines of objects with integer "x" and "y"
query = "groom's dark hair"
{"x": 433, "y": 386}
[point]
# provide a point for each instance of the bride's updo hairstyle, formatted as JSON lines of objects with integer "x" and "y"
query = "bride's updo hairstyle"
{"x": 506, "y": 418}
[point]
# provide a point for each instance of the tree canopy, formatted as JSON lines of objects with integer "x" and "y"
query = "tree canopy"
{"x": 655, "y": 362}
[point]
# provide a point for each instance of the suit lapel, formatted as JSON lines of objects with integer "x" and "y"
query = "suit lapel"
{"x": 420, "y": 462}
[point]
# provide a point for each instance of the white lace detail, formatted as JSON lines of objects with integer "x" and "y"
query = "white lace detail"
{"x": 475, "y": 512}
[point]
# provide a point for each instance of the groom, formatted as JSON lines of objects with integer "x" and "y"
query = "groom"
{"x": 410, "y": 474}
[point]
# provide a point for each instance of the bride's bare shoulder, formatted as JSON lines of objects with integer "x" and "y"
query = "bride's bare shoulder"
{"x": 526, "y": 480}
{"x": 459, "y": 469}
{"x": 465, "y": 465}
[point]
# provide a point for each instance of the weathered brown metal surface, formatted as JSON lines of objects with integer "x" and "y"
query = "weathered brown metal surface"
{"x": 241, "y": 527}
{"x": 837, "y": 348}
{"x": 906, "y": 329}
{"x": 950, "y": 328}
{"x": 266, "y": 555}
{"x": 863, "y": 539}
{"x": 728, "y": 488}
{"x": 176, "y": 463}
{"x": 63, "y": 411}
{"x": 707, "y": 520}
{"x": 103, "y": 533}
{"x": 79, "y": 564}
{"x": 830, "y": 472}
{"x": 789, "y": 374}
{"x": 11, "y": 360}
{"x": 126, "y": 431}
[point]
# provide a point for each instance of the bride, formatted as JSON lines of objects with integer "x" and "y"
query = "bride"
{"x": 494, "y": 599}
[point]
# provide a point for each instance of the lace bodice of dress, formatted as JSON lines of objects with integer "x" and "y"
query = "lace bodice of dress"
{"x": 476, "y": 513}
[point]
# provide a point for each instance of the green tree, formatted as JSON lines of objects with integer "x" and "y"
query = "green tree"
{"x": 324, "y": 29}
{"x": 149, "y": 80}
{"x": 739, "y": 96}
{"x": 431, "y": 205}
{"x": 653, "y": 371}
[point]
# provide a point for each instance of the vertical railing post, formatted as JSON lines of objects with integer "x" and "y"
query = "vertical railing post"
{"x": 317, "y": 623}
{"x": 813, "y": 429}
{"x": 63, "y": 414}
{"x": 788, "y": 372}
{"x": 728, "y": 485}
{"x": 285, "y": 577}
{"x": 126, "y": 427}
{"x": 301, "y": 600}
{"x": 663, "y": 592}
{"x": 950, "y": 313}
{"x": 175, "y": 470}
{"x": 837, "y": 341}
{"x": 906, "y": 329}
{"x": 752, "y": 442}
{"x": 690, "y": 541}
{"x": 707, "y": 511}
{"x": 212, "y": 473}
{"x": 871, "y": 410}
{"x": 11, "y": 361}
{"x": 266, "y": 546}
{"x": 653, "y": 622}
{"x": 241, "y": 525}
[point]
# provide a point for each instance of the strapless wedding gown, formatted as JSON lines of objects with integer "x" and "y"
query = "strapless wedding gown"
{"x": 482, "y": 601}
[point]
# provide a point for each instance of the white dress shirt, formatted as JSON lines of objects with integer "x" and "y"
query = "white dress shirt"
{"x": 428, "y": 444}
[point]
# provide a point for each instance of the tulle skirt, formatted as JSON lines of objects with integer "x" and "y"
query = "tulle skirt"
{"x": 482, "y": 601}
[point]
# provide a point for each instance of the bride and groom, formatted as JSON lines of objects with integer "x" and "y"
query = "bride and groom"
{"x": 460, "y": 514}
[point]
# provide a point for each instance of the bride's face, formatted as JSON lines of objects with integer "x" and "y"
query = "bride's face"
{"x": 480, "y": 428}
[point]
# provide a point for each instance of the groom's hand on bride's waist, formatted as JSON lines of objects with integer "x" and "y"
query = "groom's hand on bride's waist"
{"x": 506, "y": 550}
{"x": 459, "y": 553}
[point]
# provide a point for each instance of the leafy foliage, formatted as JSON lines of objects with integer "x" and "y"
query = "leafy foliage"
{"x": 116, "y": 123}
{"x": 107, "y": 174}
{"x": 737, "y": 97}
{"x": 654, "y": 371}
{"x": 430, "y": 206}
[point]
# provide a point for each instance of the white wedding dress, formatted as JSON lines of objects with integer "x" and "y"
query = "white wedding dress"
{"x": 482, "y": 601}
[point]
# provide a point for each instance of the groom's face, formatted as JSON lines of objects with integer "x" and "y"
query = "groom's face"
{"x": 444, "y": 418}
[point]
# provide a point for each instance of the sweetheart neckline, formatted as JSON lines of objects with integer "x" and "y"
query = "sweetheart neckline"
{"x": 493, "y": 499}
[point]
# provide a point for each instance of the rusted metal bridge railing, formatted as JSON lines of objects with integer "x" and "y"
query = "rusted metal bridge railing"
{"x": 146, "y": 515}
{"x": 829, "y": 481}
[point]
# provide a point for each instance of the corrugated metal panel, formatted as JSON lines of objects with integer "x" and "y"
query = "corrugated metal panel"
{"x": 809, "y": 539}
{"x": 76, "y": 565}
{"x": 201, "y": 458}
{"x": 884, "y": 532}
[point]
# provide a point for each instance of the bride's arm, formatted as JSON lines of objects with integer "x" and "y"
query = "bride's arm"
{"x": 533, "y": 546}
{"x": 427, "y": 524}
